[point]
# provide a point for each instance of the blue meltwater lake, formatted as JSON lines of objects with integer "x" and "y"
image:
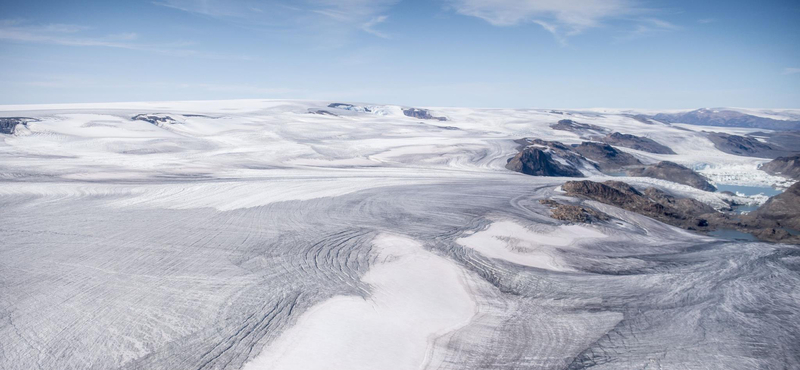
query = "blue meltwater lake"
{"x": 749, "y": 190}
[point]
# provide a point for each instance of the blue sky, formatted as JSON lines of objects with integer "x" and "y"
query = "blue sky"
{"x": 475, "y": 53}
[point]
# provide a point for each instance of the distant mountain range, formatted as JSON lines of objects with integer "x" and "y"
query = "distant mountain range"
{"x": 726, "y": 118}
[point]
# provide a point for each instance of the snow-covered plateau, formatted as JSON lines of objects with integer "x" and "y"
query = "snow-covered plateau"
{"x": 266, "y": 234}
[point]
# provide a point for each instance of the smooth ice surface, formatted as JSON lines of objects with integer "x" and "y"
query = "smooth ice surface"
{"x": 415, "y": 296}
{"x": 514, "y": 243}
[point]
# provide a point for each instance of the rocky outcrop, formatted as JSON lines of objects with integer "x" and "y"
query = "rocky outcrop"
{"x": 584, "y": 159}
{"x": 322, "y": 112}
{"x": 643, "y": 119}
{"x": 783, "y": 166}
{"x": 673, "y": 172}
{"x": 566, "y": 153}
{"x": 726, "y": 118}
{"x": 685, "y": 205}
{"x": 606, "y": 156}
{"x": 536, "y": 162}
{"x": 573, "y": 213}
{"x": 421, "y": 114}
{"x": 638, "y": 143}
{"x": 345, "y": 106}
{"x": 780, "y": 211}
{"x": 745, "y": 146}
{"x": 783, "y": 140}
{"x": 552, "y": 158}
{"x": 155, "y": 119}
{"x": 355, "y": 108}
{"x": 685, "y": 213}
{"x": 582, "y": 129}
{"x": 8, "y": 125}
{"x": 776, "y": 221}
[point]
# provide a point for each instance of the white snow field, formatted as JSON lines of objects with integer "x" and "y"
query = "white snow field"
{"x": 415, "y": 297}
{"x": 263, "y": 234}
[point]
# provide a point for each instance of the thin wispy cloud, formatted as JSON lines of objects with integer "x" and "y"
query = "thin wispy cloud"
{"x": 338, "y": 17}
{"x": 369, "y": 27}
{"x": 59, "y": 34}
{"x": 791, "y": 71}
{"x": 647, "y": 27}
{"x": 75, "y": 35}
{"x": 706, "y": 20}
{"x": 562, "y": 17}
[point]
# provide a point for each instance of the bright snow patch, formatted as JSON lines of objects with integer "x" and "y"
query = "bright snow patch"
{"x": 515, "y": 243}
{"x": 416, "y": 297}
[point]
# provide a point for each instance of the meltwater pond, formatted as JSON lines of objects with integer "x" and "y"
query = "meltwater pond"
{"x": 749, "y": 190}
{"x": 732, "y": 235}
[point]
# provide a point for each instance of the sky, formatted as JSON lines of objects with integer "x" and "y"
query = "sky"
{"x": 470, "y": 53}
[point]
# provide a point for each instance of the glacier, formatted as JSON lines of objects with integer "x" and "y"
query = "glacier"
{"x": 251, "y": 234}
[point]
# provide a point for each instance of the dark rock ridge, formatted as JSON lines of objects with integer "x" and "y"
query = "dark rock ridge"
{"x": 573, "y": 159}
{"x": 573, "y": 213}
{"x": 349, "y": 107}
{"x": 784, "y": 166}
{"x": 552, "y": 158}
{"x": 770, "y": 222}
{"x": 642, "y": 118}
{"x": 322, "y": 112}
{"x": 564, "y": 153}
{"x": 536, "y": 162}
{"x": 726, "y": 118}
{"x": 422, "y": 114}
{"x": 682, "y": 212}
{"x": 673, "y": 172}
{"x": 638, "y": 143}
{"x": 8, "y": 124}
{"x": 582, "y": 129}
{"x": 155, "y": 119}
{"x": 780, "y": 211}
{"x": 744, "y": 146}
{"x": 788, "y": 141}
{"x": 606, "y": 156}
{"x": 449, "y": 128}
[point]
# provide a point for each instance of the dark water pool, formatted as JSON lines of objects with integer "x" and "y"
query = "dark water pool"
{"x": 732, "y": 235}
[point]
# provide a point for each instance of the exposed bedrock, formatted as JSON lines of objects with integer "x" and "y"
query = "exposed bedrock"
{"x": 787, "y": 140}
{"x": 606, "y": 156}
{"x": 8, "y": 124}
{"x": 536, "y": 162}
{"x": 552, "y": 158}
{"x": 582, "y": 129}
{"x": 780, "y": 211}
{"x": 573, "y": 213}
{"x": 673, "y": 172}
{"x": 575, "y": 160}
{"x": 155, "y": 119}
{"x": 422, "y": 114}
{"x": 322, "y": 112}
{"x": 643, "y": 119}
{"x": 784, "y": 166}
{"x": 683, "y": 212}
{"x": 346, "y": 106}
{"x": 638, "y": 143}
{"x": 776, "y": 221}
{"x": 748, "y": 146}
{"x": 726, "y": 118}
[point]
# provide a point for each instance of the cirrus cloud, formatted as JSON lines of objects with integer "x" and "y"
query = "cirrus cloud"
{"x": 560, "y": 17}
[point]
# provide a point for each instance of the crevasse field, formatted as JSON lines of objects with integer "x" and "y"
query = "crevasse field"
{"x": 256, "y": 235}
